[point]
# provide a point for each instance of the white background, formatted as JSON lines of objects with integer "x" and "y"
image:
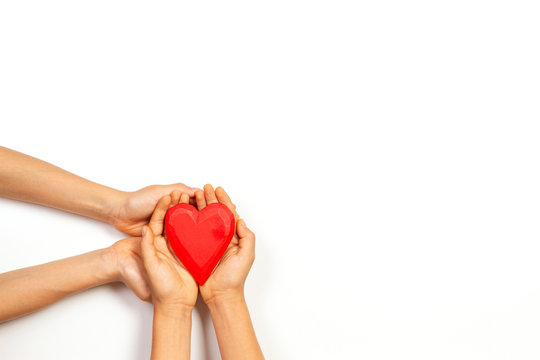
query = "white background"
{"x": 386, "y": 153}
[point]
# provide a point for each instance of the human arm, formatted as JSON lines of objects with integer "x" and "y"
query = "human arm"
{"x": 26, "y": 178}
{"x": 26, "y": 290}
{"x": 174, "y": 291}
{"x": 223, "y": 292}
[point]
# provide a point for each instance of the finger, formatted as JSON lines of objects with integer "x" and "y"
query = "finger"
{"x": 199, "y": 198}
{"x": 246, "y": 240}
{"x": 180, "y": 187}
{"x": 156, "y": 222}
{"x": 184, "y": 198}
{"x": 175, "y": 197}
{"x": 224, "y": 198}
{"x": 148, "y": 251}
{"x": 210, "y": 194}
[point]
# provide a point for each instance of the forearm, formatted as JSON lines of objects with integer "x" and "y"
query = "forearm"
{"x": 171, "y": 335}
{"x": 25, "y": 178}
{"x": 25, "y": 290}
{"x": 234, "y": 330}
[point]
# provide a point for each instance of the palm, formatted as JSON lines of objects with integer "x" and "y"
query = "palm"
{"x": 171, "y": 283}
{"x": 232, "y": 270}
{"x": 170, "y": 278}
{"x": 224, "y": 275}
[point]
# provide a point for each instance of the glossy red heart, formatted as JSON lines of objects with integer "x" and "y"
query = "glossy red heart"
{"x": 199, "y": 238}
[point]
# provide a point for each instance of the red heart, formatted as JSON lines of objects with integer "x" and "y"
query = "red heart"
{"x": 199, "y": 239}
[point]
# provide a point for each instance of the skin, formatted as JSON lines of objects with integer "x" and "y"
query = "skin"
{"x": 26, "y": 290}
{"x": 223, "y": 292}
{"x": 29, "y": 179}
{"x": 147, "y": 265}
{"x": 174, "y": 291}
{"x": 25, "y": 178}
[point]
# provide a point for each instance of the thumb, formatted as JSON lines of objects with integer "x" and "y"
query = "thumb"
{"x": 148, "y": 250}
{"x": 246, "y": 240}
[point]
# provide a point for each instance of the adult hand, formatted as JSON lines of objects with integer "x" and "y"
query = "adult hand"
{"x": 29, "y": 179}
{"x": 125, "y": 257}
{"x": 173, "y": 288}
{"x": 230, "y": 274}
{"x": 133, "y": 209}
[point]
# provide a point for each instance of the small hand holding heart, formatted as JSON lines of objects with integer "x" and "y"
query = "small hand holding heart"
{"x": 172, "y": 286}
{"x": 199, "y": 238}
{"x": 206, "y": 245}
{"x": 205, "y": 237}
{"x": 230, "y": 274}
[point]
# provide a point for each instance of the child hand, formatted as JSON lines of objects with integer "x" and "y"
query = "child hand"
{"x": 173, "y": 288}
{"x": 230, "y": 274}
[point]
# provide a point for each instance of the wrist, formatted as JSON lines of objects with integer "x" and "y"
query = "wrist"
{"x": 171, "y": 332}
{"x": 113, "y": 202}
{"x": 172, "y": 310}
{"x": 225, "y": 298}
{"x": 227, "y": 307}
{"x": 110, "y": 268}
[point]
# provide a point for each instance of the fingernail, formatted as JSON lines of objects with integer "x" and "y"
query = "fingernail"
{"x": 144, "y": 230}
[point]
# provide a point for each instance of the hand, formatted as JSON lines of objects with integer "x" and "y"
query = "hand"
{"x": 125, "y": 256}
{"x": 230, "y": 274}
{"x": 133, "y": 210}
{"x": 173, "y": 288}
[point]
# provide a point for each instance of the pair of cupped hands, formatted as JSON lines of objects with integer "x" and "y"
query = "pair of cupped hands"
{"x": 148, "y": 266}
